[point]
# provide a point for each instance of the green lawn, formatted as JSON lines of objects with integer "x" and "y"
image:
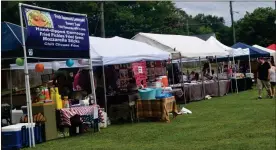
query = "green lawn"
{"x": 233, "y": 122}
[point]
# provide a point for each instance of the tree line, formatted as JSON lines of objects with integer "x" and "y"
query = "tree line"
{"x": 127, "y": 18}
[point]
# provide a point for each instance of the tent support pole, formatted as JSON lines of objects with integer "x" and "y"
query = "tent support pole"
{"x": 11, "y": 93}
{"x": 182, "y": 78}
{"x": 172, "y": 72}
{"x": 237, "y": 89}
{"x": 92, "y": 80}
{"x": 210, "y": 70}
{"x": 105, "y": 99}
{"x": 230, "y": 64}
{"x": 218, "y": 76}
{"x": 249, "y": 62}
{"x": 27, "y": 84}
{"x": 202, "y": 79}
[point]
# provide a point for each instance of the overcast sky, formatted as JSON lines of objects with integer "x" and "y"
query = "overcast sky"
{"x": 222, "y": 9}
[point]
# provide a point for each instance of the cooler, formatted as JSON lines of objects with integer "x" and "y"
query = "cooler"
{"x": 25, "y": 133}
{"x": 11, "y": 137}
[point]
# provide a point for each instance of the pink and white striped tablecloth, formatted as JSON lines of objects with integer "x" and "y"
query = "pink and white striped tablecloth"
{"x": 67, "y": 113}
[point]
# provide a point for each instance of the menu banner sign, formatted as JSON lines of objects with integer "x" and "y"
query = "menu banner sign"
{"x": 55, "y": 32}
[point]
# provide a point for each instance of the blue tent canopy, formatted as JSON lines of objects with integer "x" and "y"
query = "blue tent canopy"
{"x": 11, "y": 43}
{"x": 254, "y": 52}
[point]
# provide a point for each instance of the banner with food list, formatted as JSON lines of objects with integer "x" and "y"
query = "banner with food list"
{"x": 55, "y": 34}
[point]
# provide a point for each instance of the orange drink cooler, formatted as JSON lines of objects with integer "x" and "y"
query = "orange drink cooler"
{"x": 165, "y": 81}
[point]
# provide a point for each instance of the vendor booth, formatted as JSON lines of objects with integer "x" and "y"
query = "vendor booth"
{"x": 236, "y": 78}
{"x": 118, "y": 68}
{"x": 254, "y": 53}
{"x": 45, "y": 40}
{"x": 129, "y": 65}
{"x": 186, "y": 49}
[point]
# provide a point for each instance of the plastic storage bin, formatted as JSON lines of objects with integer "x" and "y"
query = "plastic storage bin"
{"x": 11, "y": 137}
{"x": 158, "y": 92}
{"x": 164, "y": 95}
{"x": 147, "y": 94}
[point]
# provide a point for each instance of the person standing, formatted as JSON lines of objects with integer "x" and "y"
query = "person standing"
{"x": 272, "y": 73}
{"x": 263, "y": 78}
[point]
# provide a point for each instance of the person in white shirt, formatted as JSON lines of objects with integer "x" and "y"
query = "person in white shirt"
{"x": 272, "y": 74}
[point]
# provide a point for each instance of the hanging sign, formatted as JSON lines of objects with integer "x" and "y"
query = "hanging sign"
{"x": 56, "y": 34}
{"x": 140, "y": 69}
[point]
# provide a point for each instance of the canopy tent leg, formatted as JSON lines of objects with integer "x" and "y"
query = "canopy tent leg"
{"x": 172, "y": 72}
{"x": 202, "y": 79}
{"x": 27, "y": 84}
{"x": 11, "y": 104}
{"x": 92, "y": 79}
{"x": 249, "y": 62}
{"x": 230, "y": 64}
{"x": 218, "y": 76}
{"x": 237, "y": 89}
{"x": 210, "y": 70}
{"x": 104, "y": 82}
{"x": 183, "y": 85}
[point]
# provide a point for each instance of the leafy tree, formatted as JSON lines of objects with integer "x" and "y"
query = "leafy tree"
{"x": 217, "y": 25}
{"x": 258, "y": 27}
{"x": 205, "y": 30}
{"x": 127, "y": 18}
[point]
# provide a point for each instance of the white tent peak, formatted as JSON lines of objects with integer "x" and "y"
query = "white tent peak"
{"x": 188, "y": 46}
{"x": 213, "y": 40}
{"x": 232, "y": 51}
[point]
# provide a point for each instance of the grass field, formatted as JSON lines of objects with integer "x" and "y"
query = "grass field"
{"x": 233, "y": 122}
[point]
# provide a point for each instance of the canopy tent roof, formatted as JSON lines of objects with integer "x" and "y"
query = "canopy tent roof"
{"x": 11, "y": 40}
{"x": 188, "y": 46}
{"x": 232, "y": 52}
{"x": 254, "y": 52}
{"x": 110, "y": 51}
{"x": 271, "y": 52}
{"x": 117, "y": 50}
{"x": 212, "y": 40}
{"x": 272, "y": 47}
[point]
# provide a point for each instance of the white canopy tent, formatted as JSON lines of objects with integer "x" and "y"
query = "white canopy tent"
{"x": 231, "y": 51}
{"x": 117, "y": 50}
{"x": 110, "y": 51}
{"x": 187, "y": 46}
